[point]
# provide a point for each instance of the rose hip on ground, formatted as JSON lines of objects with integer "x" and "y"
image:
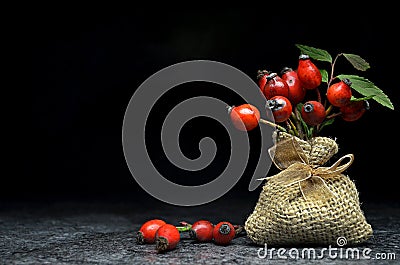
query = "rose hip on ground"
{"x": 167, "y": 238}
{"x": 202, "y": 231}
{"x": 147, "y": 231}
{"x": 223, "y": 233}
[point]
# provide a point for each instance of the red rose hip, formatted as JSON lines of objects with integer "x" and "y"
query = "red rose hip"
{"x": 275, "y": 86}
{"x": 281, "y": 108}
{"x": 244, "y": 117}
{"x": 308, "y": 72}
{"x": 296, "y": 90}
{"x": 167, "y": 238}
{"x": 223, "y": 233}
{"x": 313, "y": 113}
{"x": 354, "y": 110}
{"x": 262, "y": 78}
{"x": 147, "y": 231}
{"x": 339, "y": 94}
{"x": 202, "y": 231}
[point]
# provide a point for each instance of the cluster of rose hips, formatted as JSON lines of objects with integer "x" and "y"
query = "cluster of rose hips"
{"x": 285, "y": 91}
{"x": 167, "y": 236}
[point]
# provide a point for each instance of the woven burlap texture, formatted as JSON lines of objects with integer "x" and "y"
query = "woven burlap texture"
{"x": 282, "y": 216}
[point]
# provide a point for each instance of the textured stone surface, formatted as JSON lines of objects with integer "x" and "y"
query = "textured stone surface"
{"x": 104, "y": 233}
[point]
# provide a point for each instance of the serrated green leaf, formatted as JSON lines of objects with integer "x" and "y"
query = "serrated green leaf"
{"x": 367, "y": 89}
{"x": 324, "y": 74}
{"x": 360, "y": 99}
{"x": 357, "y": 62}
{"x": 315, "y": 53}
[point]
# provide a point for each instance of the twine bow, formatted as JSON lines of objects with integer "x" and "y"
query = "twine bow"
{"x": 289, "y": 157}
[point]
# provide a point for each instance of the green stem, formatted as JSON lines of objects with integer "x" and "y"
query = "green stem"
{"x": 238, "y": 230}
{"x": 333, "y": 115}
{"x": 296, "y": 132}
{"x": 183, "y": 228}
{"x": 328, "y": 110}
{"x": 333, "y": 70}
{"x": 314, "y": 132}
{"x": 289, "y": 128}
{"x": 273, "y": 125}
{"x": 184, "y": 223}
{"x": 297, "y": 118}
{"x": 332, "y": 77}
{"x": 318, "y": 95}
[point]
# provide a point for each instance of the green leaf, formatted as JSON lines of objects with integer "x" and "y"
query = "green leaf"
{"x": 310, "y": 132}
{"x": 299, "y": 106}
{"x": 326, "y": 123}
{"x": 315, "y": 53}
{"x": 357, "y": 62}
{"x": 324, "y": 74}
{"x": 306, "y": 129}
{"x": 368, "y": 89}
{"x": 361, "y": 99}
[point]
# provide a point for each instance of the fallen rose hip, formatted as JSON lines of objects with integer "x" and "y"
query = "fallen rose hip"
{"x": 244, "y": 117}
{"x": 202, "y": 231}
{"x": 339, "y": 94}
{"x": 167, "y": 238}
{"x": 223, "y": 233}
{"x": 147, "y": 231}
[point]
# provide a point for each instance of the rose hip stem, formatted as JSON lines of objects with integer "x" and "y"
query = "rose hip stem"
{"x": 293, "y": 126}
{"x": 238, "y": 229}
{"x": 333, "y": 115}
{"x": 273, "y": 125}
{"x": 183, "y": 228}
{"x": 183, "y": 223}
{"x": 296, "y": 116}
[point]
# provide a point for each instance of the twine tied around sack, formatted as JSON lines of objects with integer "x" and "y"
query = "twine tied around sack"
{"x": 288, "y": 156}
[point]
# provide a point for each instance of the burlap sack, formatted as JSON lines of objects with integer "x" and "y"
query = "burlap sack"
{"x": 306, "y": 203}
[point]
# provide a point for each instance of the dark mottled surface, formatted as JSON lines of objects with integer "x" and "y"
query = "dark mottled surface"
{"x": 103, "y": 233}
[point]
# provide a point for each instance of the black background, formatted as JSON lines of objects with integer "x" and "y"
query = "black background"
{"x": 77, "y": 69}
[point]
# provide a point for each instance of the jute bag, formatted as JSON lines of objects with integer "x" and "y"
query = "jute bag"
{"x": 308, "y": 203}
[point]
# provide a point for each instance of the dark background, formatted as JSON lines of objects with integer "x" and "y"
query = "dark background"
{"x": 78, "y": 68}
